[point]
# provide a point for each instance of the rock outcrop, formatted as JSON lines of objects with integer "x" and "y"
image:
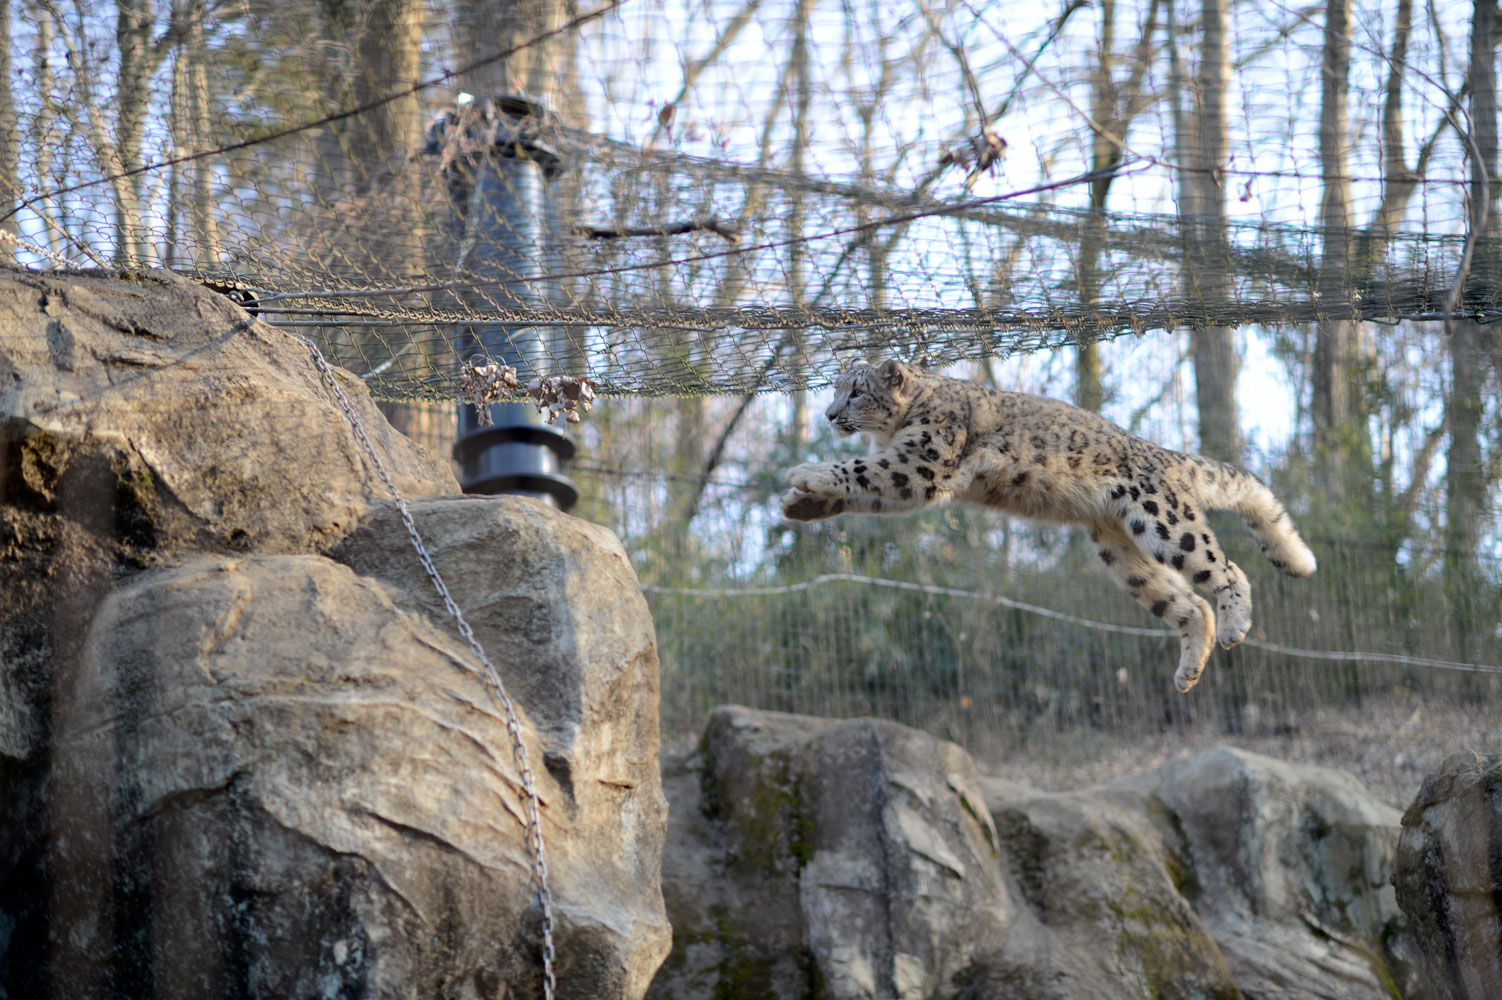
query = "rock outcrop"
{"x": 835, "y": 859}
{"x": 233, "y": 765}
{"x": 1449, "y": 876}
{"x": 1105, "y": 908}
{"x": 1224, "y": 875}
{"x": 144, "y": 418}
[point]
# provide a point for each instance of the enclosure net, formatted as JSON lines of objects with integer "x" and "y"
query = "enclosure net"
{"x": 707, "y": 199}
{"x": 1005, "y": 635}
{"x": 731, "y": 197}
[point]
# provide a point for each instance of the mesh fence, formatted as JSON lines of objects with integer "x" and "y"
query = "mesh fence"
{"x": 724, "y": 200}
{"x": 729, "y": 197}
{"x": 1007, "y": 637}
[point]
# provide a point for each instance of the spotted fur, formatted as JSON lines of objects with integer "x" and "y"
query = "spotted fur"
{"x": 940, "y": 439}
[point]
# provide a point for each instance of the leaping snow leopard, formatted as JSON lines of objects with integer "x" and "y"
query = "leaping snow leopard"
{"x": 940, "y": 439}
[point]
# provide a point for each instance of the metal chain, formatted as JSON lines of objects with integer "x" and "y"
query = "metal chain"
{"x": 513, "y": 727}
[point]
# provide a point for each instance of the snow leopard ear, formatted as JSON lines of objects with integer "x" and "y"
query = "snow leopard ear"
{"x": 854, "y": 363}
{"x": 893, "y": 373}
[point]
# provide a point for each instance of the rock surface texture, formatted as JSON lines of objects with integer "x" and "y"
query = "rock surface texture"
{"x": 1224, "y": 875}
{"x": 240, "y": 755}
{"x": 832, "y": 859}
{"x": 1449, "y": 876}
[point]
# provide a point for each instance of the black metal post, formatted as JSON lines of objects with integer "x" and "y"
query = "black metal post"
{"x": 506, "y": 225}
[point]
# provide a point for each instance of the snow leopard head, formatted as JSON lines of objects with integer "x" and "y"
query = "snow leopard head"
{"x": 871, "y": 399}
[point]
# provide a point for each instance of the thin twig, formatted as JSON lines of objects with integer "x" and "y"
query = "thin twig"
{"x": 671, "y": 229}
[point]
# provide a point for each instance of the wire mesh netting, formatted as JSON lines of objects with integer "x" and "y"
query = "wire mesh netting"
{"x": 739, "y": 196}
{"x": 1006, "y": 636}
{"x": 726, "y": 201}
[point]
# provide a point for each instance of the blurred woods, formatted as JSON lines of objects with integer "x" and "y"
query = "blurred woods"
{"x": 1295, "y": 206}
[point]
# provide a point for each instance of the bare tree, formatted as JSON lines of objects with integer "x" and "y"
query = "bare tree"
{"x": 489, "y": 27}
{"x": 1337, "y": 400}
{"x": 1113, "y": 106}
{"x": 191, "y": 184}
{"x": 139, "y": 58}
{"x": 1200, "y": 141}
{"x": 39, "y": 128}
{"x": 802, "y": 94}
{"x": 10, "y": 134}
{"x": 1465, "y": 472}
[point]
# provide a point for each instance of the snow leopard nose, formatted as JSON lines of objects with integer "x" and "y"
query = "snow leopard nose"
{"x": 829, "y": 414}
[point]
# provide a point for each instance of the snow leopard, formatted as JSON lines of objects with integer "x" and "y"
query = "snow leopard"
{"x": 941, "y": 439}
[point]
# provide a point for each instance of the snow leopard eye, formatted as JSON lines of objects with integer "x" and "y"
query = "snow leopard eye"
{"x": 855, "y": 394}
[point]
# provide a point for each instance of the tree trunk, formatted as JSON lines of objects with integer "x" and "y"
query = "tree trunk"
{"x": 40, "y": 127}
{"x": 203, "y": 213}
{"x": 10, "y": 138}
{"x": 1201, "y": 142}
{"x": 1340, "y": 436}
{"x": 1334, "y": 338}
{"x": 388, "y": 57}
{"x": 1399, "y": 181}
{"x": 138, "y": 60}
{"x": 798, "y": 426}
{"x": 1465, "y": 472}
{"x": 486, "y": 27}
{"x": 1088, "y": 391}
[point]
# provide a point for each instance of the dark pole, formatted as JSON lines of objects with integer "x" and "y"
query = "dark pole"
{"x": 499, "y": 171}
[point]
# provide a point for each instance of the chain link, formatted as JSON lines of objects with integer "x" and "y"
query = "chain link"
{"x": 513, "y": 727}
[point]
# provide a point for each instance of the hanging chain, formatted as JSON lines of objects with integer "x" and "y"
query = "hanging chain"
{"x": 513, "y": 727}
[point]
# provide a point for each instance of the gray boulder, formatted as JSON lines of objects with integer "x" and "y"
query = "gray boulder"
{"x": 1104, "y": 914}
{"x": 232, "y": 766}
{"x": 836, "y": 859}
{"x": 269, "y": 780}
{"x": 162, "y": 416}
{"x": 556, "y": 605}
{"x": 807, "y": 858}
{"x": 1224, "y": 874}
{"x": 1287, "y": 867}
{"x": 144, "y": 418}
{"x": 1449, "y": 876}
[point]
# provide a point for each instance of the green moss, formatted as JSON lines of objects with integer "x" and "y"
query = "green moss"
{"x": 1185, "y": 882}
{"x": 745, "y": 975}
{"x": 1178, "y": 959}
{"x": 769, "y": 822}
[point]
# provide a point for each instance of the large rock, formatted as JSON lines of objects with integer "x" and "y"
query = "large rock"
{"x": 1449, "y": 876}
{"x": 144, "y": 418}
{"x": 1104, "y": 911}
{"x": 555, "y": 603}
{"x": 833, "y": 859}
{"x": 1287, "y": 867}
{"x": 231, "y": 766}
{"x": 271, "y": 781}
{"x": 1221, "y": 876}
{"x": 161, "y": 414}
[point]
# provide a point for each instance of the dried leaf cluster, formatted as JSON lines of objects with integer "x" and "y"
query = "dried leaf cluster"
{"x": 979, "y": 153}
{"x": 482, "y": 385}
{"x": 563, "y": 394}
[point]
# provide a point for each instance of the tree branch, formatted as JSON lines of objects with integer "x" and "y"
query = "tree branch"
{"x": 671, "y": 229}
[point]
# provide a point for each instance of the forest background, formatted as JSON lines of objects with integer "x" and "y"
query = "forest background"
{"x": 1259, "y": 230}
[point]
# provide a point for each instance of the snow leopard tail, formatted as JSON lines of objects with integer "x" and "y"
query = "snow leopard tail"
{"x": 1226, "y": 487}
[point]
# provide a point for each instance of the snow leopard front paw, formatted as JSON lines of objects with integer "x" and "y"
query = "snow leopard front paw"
{"x": 814, "y": 478}
{"x": 798, "y": 505}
